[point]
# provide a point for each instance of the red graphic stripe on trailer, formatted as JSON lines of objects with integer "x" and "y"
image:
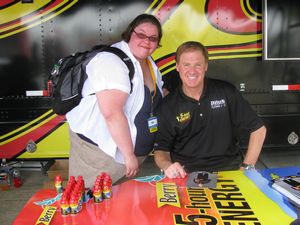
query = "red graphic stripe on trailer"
{"x": 287, "y": 87}
{"x": 229, "y": 17}
{"x": 15, "y": 147}
{"x": 166, "y": 9}
{"x": 164, "y": 61}
{"x": 4, "y": 3}
{"x": 233, "y": 47}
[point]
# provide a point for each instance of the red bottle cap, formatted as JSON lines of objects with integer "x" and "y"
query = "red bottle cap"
{"x": 58, "y": 178}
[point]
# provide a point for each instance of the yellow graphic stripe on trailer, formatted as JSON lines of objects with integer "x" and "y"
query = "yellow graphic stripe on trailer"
{"x": 248, "y": 6}
{"x": 29, "y": 126}
{"x": 20, "y": 10}
{"x": 235, "y": 56}
{"x": 150, "y": 8}
{"x": 55, "y": 145}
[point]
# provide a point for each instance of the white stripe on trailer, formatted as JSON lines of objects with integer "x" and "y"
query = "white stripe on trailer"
{"x": 35, "y": 93}
{"x": 280, "y": 87}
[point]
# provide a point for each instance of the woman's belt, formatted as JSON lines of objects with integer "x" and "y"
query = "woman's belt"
{"x": 81, "y": 136}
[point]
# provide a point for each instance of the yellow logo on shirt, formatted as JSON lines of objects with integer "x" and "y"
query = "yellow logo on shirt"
{"x": 183, "y": 117}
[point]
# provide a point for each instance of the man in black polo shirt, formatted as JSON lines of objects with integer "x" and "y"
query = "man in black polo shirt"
{"x": 198, "y": 120}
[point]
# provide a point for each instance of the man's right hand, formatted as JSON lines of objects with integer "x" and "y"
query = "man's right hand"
{"x": 175, "y": 170}
{"x": 171, "y": 170}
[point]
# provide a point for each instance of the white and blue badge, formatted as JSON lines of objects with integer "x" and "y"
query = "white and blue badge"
{"x": 152, "y": 124}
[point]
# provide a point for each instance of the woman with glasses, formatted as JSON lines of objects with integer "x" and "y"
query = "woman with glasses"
{"x": 114, "y": 130}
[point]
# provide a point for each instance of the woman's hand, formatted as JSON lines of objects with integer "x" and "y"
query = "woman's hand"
{"x": 132, "y": 165}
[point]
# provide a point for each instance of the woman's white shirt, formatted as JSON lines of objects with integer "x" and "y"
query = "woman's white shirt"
{"x": 107, "y": 71}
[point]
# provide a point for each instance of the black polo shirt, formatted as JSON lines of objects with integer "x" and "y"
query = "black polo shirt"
{"x": 200, "y": 134}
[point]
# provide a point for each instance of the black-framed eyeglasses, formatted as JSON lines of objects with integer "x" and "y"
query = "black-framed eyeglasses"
{"x": 144, "y": 36}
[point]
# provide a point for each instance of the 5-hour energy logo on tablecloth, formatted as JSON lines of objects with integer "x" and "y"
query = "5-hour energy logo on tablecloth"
{"x": 235, "y": 201}
{"x": 223, "y": 204}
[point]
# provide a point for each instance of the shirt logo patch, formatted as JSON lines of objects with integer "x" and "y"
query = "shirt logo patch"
{"x": 183, "y": 117}
{"x": 218, "y": 104}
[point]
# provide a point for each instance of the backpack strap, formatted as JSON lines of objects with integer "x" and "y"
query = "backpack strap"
{"x": 124, "y": 57}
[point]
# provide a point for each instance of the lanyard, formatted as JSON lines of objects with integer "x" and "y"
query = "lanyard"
{"x": 152, "y": 120}
{"x": 153, "y": 79}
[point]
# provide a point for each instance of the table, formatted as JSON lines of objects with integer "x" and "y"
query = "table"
{"x": 240, "y": 198}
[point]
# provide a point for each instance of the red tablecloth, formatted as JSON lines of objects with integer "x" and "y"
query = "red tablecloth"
{"x": 236, "y": 200}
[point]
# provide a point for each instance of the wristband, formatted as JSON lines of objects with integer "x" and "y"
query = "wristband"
{"x": 248, "y": 166}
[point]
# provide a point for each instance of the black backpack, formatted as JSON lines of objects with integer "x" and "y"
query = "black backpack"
{"x": 69, "y": 74}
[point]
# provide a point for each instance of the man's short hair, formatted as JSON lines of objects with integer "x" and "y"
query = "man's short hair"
{"x": 191, "y": 46}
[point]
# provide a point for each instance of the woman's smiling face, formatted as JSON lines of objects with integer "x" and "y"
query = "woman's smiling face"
{"x": 143, "y": 40}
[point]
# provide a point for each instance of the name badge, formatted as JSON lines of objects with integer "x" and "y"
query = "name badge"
{"x": 152, "y": 124}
